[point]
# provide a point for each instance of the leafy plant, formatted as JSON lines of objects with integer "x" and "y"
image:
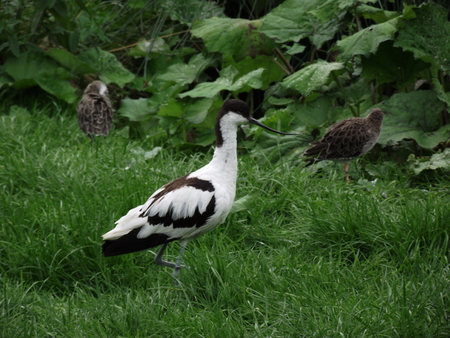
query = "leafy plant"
{"x": 303, "y": 64}
{"x": 439, "y": 161}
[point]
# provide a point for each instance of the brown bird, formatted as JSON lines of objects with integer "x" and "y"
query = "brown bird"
{"x": 346, "y": 140}
{"x": 95, "y": 115}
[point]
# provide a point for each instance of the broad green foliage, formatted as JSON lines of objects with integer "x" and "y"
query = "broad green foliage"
{"x": 148, "y": 48}
{"x": 135, "y": 110}
{"x": 272, "y": 71}
{"x": 366, "y": 41}
{"x": 297, "y": 19}
{"x": 437, "y": 161}
{"x": 428, "y": 36}
{"x": 183, "y": 74}
{"x": 302, "y": 64}
{"x": 236, "y": 37}
{"x": 414, "y": 115}
{"x": 318, "y": 113}
{"x": 227, "y": 81}
{"x": 70, "y": 61}
{"x": 311, "y": 77}
{"x": 391, "y": 64}
{"x": 188, "y": 11}
{"x": 109, "y": 69}
{"x": 32, "y": 68}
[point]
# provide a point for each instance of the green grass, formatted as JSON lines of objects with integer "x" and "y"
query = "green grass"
{"x": 311, "y": 256}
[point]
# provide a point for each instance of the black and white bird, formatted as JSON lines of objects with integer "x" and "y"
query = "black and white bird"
{"x": 346, "y": 140}
{"x": 191, "y": 205}
{"x": 95, "y": 114}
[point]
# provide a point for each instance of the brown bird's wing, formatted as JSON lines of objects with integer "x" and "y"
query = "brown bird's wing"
{"x": 95, "y": 115}
{"x": 84, "y": 109}
{"x": 343, "y": 140}
{"x": 103, "y": 116}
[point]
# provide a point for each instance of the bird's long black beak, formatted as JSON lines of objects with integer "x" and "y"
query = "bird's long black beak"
{"x": 256, "y": 122}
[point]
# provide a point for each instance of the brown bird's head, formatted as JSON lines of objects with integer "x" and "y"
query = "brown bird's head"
{"x": 376, "y": 116}
{"x": 97, "y": 87}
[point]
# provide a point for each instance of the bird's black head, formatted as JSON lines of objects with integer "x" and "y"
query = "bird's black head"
{"x": 235, "y": 106}
{"x": 240, "y": 114}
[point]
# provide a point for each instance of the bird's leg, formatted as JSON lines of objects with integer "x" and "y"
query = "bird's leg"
{"x": 346, "y": 167}
{"x": 178, "y": 266}
{"x": 162, "y": 262}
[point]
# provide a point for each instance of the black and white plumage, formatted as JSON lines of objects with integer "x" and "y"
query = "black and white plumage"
{"x": 95, "y": 114}
{"x": 346, "y": 140}
{"x": 191, "y": 205}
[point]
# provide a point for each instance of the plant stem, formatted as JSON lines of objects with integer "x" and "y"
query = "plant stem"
{"x": 281, "y": 66}
{"x": 311, "y": 58}
{"x": 372, "y": 93}
{"x": 358, "y": 23}
{"x": 285, "y": 61}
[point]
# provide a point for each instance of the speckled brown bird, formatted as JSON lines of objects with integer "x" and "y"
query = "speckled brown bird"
{"x": 95, "y": 115}
{"x": 346, "y": 140}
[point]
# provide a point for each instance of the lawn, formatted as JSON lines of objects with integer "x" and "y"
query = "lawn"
{"x": 305, "y": 255}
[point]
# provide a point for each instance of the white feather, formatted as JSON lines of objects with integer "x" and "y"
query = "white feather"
{"x": 103, "y": 89}
{"x": 183, "y": 203}
{"x": 125, "y": 224}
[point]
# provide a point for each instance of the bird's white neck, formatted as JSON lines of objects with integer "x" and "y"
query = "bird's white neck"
{"x": 223, "y": 167}
{"x": 225, "y": 155}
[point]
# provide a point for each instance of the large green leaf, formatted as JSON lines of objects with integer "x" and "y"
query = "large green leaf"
{"x": 155, "y": 68}
{"x": 55, "y": 81}
{"x": 272, "y": 72}
{"x": 173, "y": 108}
{"x": 428, "y": 35}
{"x": 414, "y": 115}
{"x": 226, "y": 82}
{"x": 316, "y": 113}
{"x": 197, "y": 111}
{"x": 182, "y": 73}
{"x": 136, "y": 110}
{"x": 109, "y": 69}
{"x": 70, "y": 61}
{"x": 194, "y": 112}
{"x": 144, "y": 48}
{"x": 188, "y": 11}
{"x": 28, "y": 65}
{"x": 440, "y": 90}
{"x": 167, "y": 93}
{"x": 311, "y": 77}
{"x": 237, "y": 37}
{"x": 377, "y": 14}
{"x": 366, "y": 41}
{"x": 248, "y": 81}
{"x": 356, "y": 92}
{"x": 437, "y": 161}
{"x": 391, "y": 64}
{"x": 210, "y": 119}
{"x": 33, "y": 68}
{"x": 297, "y": 19}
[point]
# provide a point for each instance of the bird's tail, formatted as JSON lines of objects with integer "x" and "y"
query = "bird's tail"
{"x": 311, "y": 160}
{"x": 131, "y": 243}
